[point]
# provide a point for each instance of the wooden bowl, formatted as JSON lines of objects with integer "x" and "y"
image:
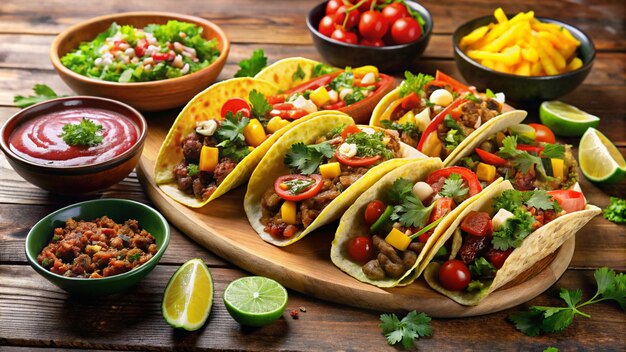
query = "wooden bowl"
{"x": 145, "y": 96}
{"x": 81, "y": 179}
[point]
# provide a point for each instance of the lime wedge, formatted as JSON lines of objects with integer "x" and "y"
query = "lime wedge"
{"x": 600, "y": 161}
{"x": 188, "y": 296}
{"x": 566, "y": 120}
{"x": 255, "y": 300}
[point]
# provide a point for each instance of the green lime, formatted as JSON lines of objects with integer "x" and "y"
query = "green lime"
{"x": 600, "y": 161}
{"x": 566, "y": 120}
{"x": 255, "y": 300}
{"x": 188, "y": 296}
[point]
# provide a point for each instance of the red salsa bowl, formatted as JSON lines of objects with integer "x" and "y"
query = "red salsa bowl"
{"x": 34, "y": 147}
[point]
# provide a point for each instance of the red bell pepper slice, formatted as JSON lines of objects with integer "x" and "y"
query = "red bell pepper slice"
{"x": 467, "y": 175}
{"x": 530, "y": 148}
{"x": 568, "y": 199}
{"x": 355, "y": 161}
{"x": 432, "y": 126}
{"x": 313, "y": 84}
{"x": 490, "y": 158}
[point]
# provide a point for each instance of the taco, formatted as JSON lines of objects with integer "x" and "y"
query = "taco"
{"x": 383, "y": 238}
{"x": 218, "y": 139}
{"x": 304, "y": 82}
{"x": 502, "y": 234}
{"x": 517, "y": 154}
{"x": 314, "y": 172}
{"x": 439, "y": 115}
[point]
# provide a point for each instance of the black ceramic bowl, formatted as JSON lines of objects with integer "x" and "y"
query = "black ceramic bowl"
{"x": 388, "y": 58}
{"x": 521, "y": 88}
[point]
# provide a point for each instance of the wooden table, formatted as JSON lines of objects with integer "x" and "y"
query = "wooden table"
{"x": 35, "y": 314}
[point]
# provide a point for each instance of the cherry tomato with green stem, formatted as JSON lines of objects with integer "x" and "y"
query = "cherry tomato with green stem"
{"x": 394, "y": 12}
{"x": 454, "y": 275}
{"x": 352, "y": 15}
{"x": 405, "y": 30}
{"x": 345, "y": 36}
{"x": 373, "y": 211}
{"x": 372, "y": 25}
{"x": 332, "y": 6}
{"x": 327, "y": 25}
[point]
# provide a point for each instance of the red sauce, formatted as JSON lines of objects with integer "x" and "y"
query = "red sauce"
{"x": 38, "y": 140}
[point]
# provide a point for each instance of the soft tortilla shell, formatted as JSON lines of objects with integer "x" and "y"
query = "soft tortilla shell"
{"x": 281, "y": 72}
{"x": 272, "y": 166}
{"x": 382, "y": 105}
{"x": 535, "y": 247}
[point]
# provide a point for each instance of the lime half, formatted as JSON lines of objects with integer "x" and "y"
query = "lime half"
{"x": 600, "y": 161}
{"x": 566, "y": 120}
{"x": 255, "y": 300}
{"x": 188, "y": 296}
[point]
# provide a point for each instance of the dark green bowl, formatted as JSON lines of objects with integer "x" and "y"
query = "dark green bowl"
{"x": 119, "y": 210}
{"x": 521, "y": 88}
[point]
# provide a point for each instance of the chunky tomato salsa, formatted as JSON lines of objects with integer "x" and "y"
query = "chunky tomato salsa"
{"x": 98, "y": 248}
{"x": 41, "y": 140}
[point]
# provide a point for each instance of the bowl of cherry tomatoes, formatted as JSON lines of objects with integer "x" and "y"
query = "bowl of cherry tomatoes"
{"x": 391, "y": 35}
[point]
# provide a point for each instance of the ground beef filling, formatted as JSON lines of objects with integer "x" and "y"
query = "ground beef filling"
{"x": 203, "y": 183}
{"x": 390, "y": 262}
{"x": 95, "y": 249}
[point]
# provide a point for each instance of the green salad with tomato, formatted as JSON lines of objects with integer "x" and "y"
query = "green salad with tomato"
{"x": 127, "y": 54}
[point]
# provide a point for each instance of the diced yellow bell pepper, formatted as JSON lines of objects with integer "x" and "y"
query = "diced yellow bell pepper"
{"x": 320, "y": 96}
{"x": 288, "y": 212}
{"x": 432, "y": 146}
{"x": 486, "y": 172}
{"x": 254, "y": 133}
{"x": 209, "y": 156}
{"x": 276, "y": 123}
{"x": 409, "y": 117}
{"x": 330, "y": 170}
{"x": 398, "y": 239}
{"x": 363, "y": 70}
{"x": 558, "y": 168}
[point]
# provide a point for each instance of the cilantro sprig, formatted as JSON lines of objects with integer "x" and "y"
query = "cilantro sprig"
{"x": 616, "y": 211}
{"x": 409, "y": 210}
{"x": 306, "y": 159}
{"x": 370, "y": 144}
{"x": 260, "y": 106}
{"x": 42, "y": 93}
{"x": 455, "y": 188}
{"x": 230, "y": 137}
{"x": 250, "y": 67}
{"x": 541, "y": 319}
{"x": 321, "y": 69}
{"x": 523, "y": 160}
{"x": 85, "y": 133}
{"x": 414, "y": 83}
{"x": 407, "y": 330}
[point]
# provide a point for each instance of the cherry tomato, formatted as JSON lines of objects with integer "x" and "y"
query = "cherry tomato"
{"x": 423, "y": 238}
{"x": 161, "y": 56}
{"x": 290, "y": 230}
{"x": 371, "y": 42}
{"x": 140, "y": 51}
{"x": 353, "y": 17}
{"x": 366, "y": 5}
{"x": 490, "y": 158}
{"x": 394, "y": 11}
{"x": 372, "y": 25}
{"x": 326, "y": 26}
{"x": 308, "y": 192}
{"x": 470, "y": 178}
{"x": 498, "y": 257}
{"x": 530, "y": 148}
{"x": 233, "y": 105}
{"x": 405, "y": 30}
{"x": 454, "y": 275}
{"x": 456, "y": 85}
{"x": 332, "y": 6}
{"x": 342, "y": 35}
{"x": 355, "y": 161}
{"x": 543, "y": 133}
{"x": 361, "y": 249}
{"x": 477, "y": 223}
{"x": 568, "y": 199}
{"x": 373, "y": 211}
{"x": 350, "y": 129}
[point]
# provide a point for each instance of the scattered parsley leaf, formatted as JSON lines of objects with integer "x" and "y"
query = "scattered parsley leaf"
{"x": 321, "y": 69}
{"x": 556, "y": 151}
{"x": 192, "y": 170}
{"x": 453, "y": 187}
{"x": 414, "y": 83}
{"x": 616, "y": 211}
{"x": 489, "y": 93}
{"x": 354, "y": 97}
{"x": 400, "y": 189}
{"x": 554, "y": 319}
{"x": 541, "y": 200}
{"x": 482, "y": 268}
{"x": 85, "y": 133}
{"x": 250, "y": 67}
{"x": 370, "y": 144}
{"x": 232, "y": 127}
{"x": 411, "y": 327}
{"x": 514, "y": 230}
{"x": 299, "y": 74}
{"x": 307, "y": 158}
{"x": 411, "y": 212}
{"x": 42, "y": 93}
{"x": 260, "y": 106}
{"x": 133, "y": 257}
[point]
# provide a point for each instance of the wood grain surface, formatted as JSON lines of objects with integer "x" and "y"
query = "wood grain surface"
{"x": 36, "y": 316}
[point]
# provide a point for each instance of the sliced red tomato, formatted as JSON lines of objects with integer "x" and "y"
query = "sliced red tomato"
{"x": 355, "y": 161}
{"x": 498, "y": 257}
{"x": 432, "y": 126}
{"x": 306, "y": 193}
{"x": 411, "y": 101}
{"x": 456, "y": 85}
{"x": 290, "y": 114}
{"x": 350, "y": 129}
{"x": 373, "y": 211}
{"x": 530, "y": 148}
{"x": 490, "y": 158}
{"x": 543, "y": 133}
{"x": 477, "y": 223}
{"x": 336, "y": 106}
{"x": 233, "y": 105}
{"x": 569, "y": 200}
{"x": 470, "y": 178}
{"x": 161, "y": 56}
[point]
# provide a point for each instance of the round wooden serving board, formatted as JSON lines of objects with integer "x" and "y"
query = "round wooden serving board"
{"x": 222, "y": 228}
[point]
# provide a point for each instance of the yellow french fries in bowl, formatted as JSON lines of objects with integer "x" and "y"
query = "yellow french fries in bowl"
{"x": 525, "y": 56}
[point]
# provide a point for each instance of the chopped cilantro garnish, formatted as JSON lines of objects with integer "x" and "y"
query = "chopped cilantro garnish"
{"x": 489, "y": 93}
{"x": 296, "y": 186}
{"x": 410, "y": 211}
{"x": 556, "y": 151}
{"x": 454, "y": 187}
{"x": 408, "y": 128}
{"x": 343, "y": 80}
{"x": 192, "y": 170}
{"x": 514, "y": 230}
{"x": 230, "y": 135}
{"x": 616, "y": 211}
{"x": 321, "y": 69}
{"x": 85, "y": 133}
{"x": 354, "y": 97}
{"x": 370, "y": 144}
{"x": 260, "y": 106}
{"x": 299, "y": 74}
{"x": 307, "y": 158}
{"x": 473, "y": 98}
{"x": 522, "y": 160}
{"x": 414, "y": 83}
{"x": 133, "y": 257}
{"x": 250, "y": 67}
{"x": 481, "y": 268}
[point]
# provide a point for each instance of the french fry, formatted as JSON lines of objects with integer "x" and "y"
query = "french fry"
{"x": 575, "y": 64}
{"x": 535, "y": 68}
{"x": 500, "y": 15}
{"x": 557, "y": 59}
{"x": 506, "y": 38}
{"x": 523, "y": 69}
{"x": 546, "y": 62}
{"x": 476, "y": 35}
{"x": 530, "y": 54}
